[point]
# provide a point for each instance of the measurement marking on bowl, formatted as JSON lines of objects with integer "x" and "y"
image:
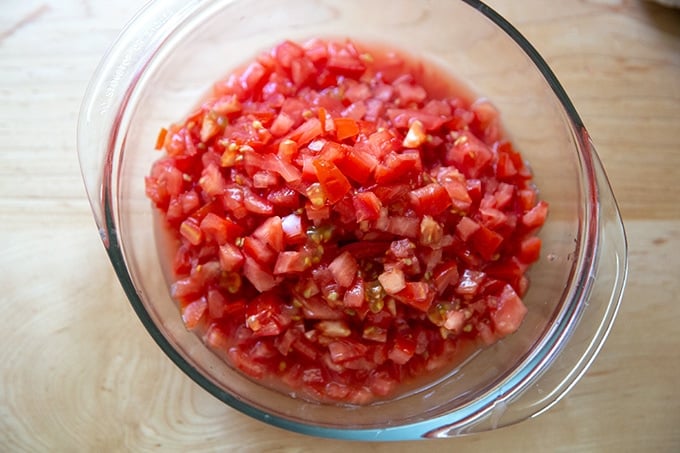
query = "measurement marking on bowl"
{"x": 122, "y": 69}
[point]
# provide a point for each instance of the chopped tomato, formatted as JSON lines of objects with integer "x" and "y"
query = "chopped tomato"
{"x": 344, "y": 268}
{"x": 357, "y": 164}
{"x": 509, "y": 313}
{"x": 344, "y": 222}
{"x": 367, "y": 206}
{"x": 345, "y": 128}
{"x": 192, "y": 313}
{"x": 335, "y": 185}
{"x": 431, "y": 199}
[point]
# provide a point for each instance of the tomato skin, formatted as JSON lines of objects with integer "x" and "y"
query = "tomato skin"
{"x": 220, "y": 229}
{"x": 338, "y": 228}
{"x": 334, "y": 183}
{"x": 344, "y": 268}
{"x": 357, "y": 164}
{"x": 260, "y": 278}
{"x": 431, "y": 199}
{"x": 193, "y": 312}
{"x": 535, "y": 217}
{"x": 402, "y": 350}
{"x": 509, "y": 313}
{"x": 398, "y": 167}
{"x": 530, "y": 249}
{"x": 486, "y": 242}
{"x": 416, "y": 294}
{"x": 345, "y": 128}
{"x": 367, "y": 206}
{"x": 469, "y": 154}
{"x": 262, "y": 315}
{"x": 231, "y": 258}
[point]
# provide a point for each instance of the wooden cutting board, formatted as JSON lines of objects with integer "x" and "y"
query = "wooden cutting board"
{"x": 79, "y": 373}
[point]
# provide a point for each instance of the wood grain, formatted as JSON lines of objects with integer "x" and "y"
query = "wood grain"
{"x": 79, "y": 372}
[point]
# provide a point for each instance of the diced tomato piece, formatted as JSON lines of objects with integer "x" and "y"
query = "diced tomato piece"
{"x": 160, "y": 140}
{"x": 392, "y": 281}
{"x": 262, "y": 315}
{"x": 287, "y": 52}
{"x": 220, "y": 229}
{"x": 344, "y": 350}
{"x": 282, "y": 125}
{"x": 335, "y": 185}
{"x": 381, "y": 143}
{"x": 399, "y": 167}
{"x": 402, "y": 350}
{"x": 469, "y": 282}
{"x": 185, "y": 289}
{"x": 287, "y": 150}
{"x": 402, "y": 118}
{"x": 317, "y": 214}
{"x": 345, "y": 128}
{"x": 253, "y": 76}
{"x": 260, "y": 278}
{"x": 505, "y": 168}
{"x": 264, "y": 179}
{"x": 302, "y": 70}
{"x": 346, "y": 65}
{"x": 271, "y": 233}
{"x": 212, "y": 182}
{"x": 469, "y": 154}
{"x": 216, "y": 339}
{"x": 357, "y": 164}
{"x": 444, "y": 275}
{"x": 410, "y": 93}
{"x": 233, "y": 202}
{"x": 466, "y": 228}
{"x": 530, "y": 249}
{"x": 354, "y": 296}
{"x": 231, "y": 257}
{"x": 535, "y": 217}
{"x": 486, "y": 242}
{"x": 431, "y": 199}
{"x": 293, "y": 231}
{"x": 190, "y": 230}
{"x": 306, "y": 132}
{"x": 486, "y": 120}
{"x": 245, "y": 363}
{"x": 509, "y": 313}
{"x": 389, "y": 194}
{"x": 288, "y": 171}
{"x": 344, "y": 268}
{"x": 474, "y": 189}
{"x": 193, "y": 312}
{"x": 256, "y": 204}
{"x": 367, "y": 206}
{"x": 259, "y": 249}
{"x": 403, "y": 226}
{"x": 216, "y": 304}
{"x": 291, "y": 263}
{"x": 527, "y": 199}
{"x": 507, "y": 270}
{"x": 417, "y": 295}
{"x": 284, "y": 197}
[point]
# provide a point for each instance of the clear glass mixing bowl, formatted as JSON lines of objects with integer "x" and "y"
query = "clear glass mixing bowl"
{"x": 167, "y": 58}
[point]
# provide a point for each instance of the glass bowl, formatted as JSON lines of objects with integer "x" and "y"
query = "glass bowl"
{"x": 173, "y": 50}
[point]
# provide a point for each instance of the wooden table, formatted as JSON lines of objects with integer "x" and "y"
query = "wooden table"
{"x": 79, "y": 373}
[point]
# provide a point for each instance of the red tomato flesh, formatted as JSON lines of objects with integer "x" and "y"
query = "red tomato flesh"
{"x": 345, "y": 221}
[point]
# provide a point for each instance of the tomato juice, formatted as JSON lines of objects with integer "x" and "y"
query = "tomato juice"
{"x": 345, "y": 223}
